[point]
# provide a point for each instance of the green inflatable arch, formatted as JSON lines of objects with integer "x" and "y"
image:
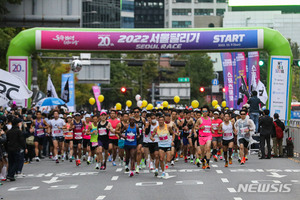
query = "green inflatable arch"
{"x": 34, "y": 40}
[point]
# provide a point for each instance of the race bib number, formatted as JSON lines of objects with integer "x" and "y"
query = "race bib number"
{"x": 112, "y": 134}
{"x": 163, "y": 137}
{"x": 215, "y": 126}
{"x": 56, "y": 132}
{"x": 207, "y": 129}
{"x": 40, "y": 132}
{"x": 78, "y": 136}
{"x": 102, "y": 131}
{"x": 227, "y": 134}
{"x": 130, "y": 137}
{"x": 94, "y": 144}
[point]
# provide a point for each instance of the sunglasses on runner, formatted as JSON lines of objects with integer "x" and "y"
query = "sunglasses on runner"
{"x": 136, "y": 112}
{"x": 204, "y": 111}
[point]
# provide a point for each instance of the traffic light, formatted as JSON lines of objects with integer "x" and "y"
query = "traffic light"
{"x": 123, "y": 90}
{"x": 261, "y": 63}
{"x": 296, "y": 63}
{"x": 223, "y": 90}
{"x": 202, "y": 89}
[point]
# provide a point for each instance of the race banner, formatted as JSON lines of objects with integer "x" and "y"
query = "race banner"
{"x": 228, "y": 78}
{"x": 241, "y": 73}
{"x": 253, "y": 70}
{"x": 235, "y": 74}
{"x": 97, "y": 93}
{"x": 70, "y": 78}
{"x": 279, "y": 89}
{"x": 149, "y": 40}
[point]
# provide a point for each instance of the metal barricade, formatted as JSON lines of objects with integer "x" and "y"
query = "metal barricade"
{"x": 293, "y": 131}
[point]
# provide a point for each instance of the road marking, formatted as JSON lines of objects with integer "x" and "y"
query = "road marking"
{"x": 276, "y": 175}
{"x": 259, "y": 170}
{"x": 224, "y": 180}
{"x": 24, "y": 188}
{"x": 237, "y": 198}
{"x": 219, "y": 171}
{"x": 149, "y": 183}
{"x": 119, "y": 169}
{"x": 294, "y": 181}
{"x": 258, "y": 181}
{"x": 231, "y": 190}
{"x": 52, "y": 180}
{"x": 214, "y": 165}
{"x": 189, "y": 182}
{"x": 62, "y": 187}
{"x": 100, "y": 197}
{"x": 114, "y": 178}
{"x": 109, "y": 187}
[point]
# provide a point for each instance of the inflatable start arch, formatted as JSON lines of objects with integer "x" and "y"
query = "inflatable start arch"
{"x": 34, "y": 40}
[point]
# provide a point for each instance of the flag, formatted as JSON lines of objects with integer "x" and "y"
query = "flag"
{"x": 253, "y": 70}
{"x": 39, "y": 96}
{"x": 241, "y": 82}
{"x": 97, "y": 92}
{"x": 261, "y": 92}
{"x": 228, "y": 78}
{"x": 65, "y": 94}
{"x": 12, "y": 87}
{"x": 50, "y": 88}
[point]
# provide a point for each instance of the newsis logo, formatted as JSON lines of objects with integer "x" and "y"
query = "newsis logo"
{"x": 265, "y": 188}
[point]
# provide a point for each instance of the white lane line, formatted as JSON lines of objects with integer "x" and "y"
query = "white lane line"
{"x": 224, "y": 180}
{"x": 259, "y": 170}
{"x": 114, "y": 178}
{"x": 219, "y": 171}
{"x": 119, "y": 169}
{"x": 237, "y": 198}
{"x": 109, "y": 187}
{"x": 231, "y": 190}
{"x": 100, "y": 197}
{"x": 214, "y": 165}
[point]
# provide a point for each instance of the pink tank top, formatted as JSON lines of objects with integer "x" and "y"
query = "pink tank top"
{"x": 86, "y": 128}
{"x": 113, "y": 123}
{"x": 207, "y": 128}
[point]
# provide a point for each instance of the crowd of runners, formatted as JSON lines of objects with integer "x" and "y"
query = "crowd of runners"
{"x": 135, "y": 139}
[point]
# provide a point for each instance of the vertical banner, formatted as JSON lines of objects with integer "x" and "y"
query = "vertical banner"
{"x": 64, "y": 79}
{"x": 279, "y": 88}
{"x": 228, "y": 78}
{"x": 96, "y": 91}
{"x": 235, "y": 74}
{"x": 253, "y": 70}
{"x": 18, "y": 65}
{"x": 241, "y": 73}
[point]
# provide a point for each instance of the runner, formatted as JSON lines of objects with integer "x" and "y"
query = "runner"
{"x": 146, "y": 140}
{"x": 86, "y": 139}
{"x": 140, "y": 121}
{"x": 242, "y": 128}
{"x": 78, "y": 126}
{"x": 217, "y": 138}
{"x": 131, "y": 137}
{"x": 187, "y": 132}
{"x": 68, "y": 134}
{"x": 195, "y": 139}
{"x": 56, "y": 125}
{"x": 164, "y": 143}
{"x": 226, "y": 129}
{"x": 121, "y": 142}
{"x": 113, "y": 139}
{"x": 173, "y": 126}
{"x": 153, "y": 145}
{"x": 103, "y": 140}
{"x": 40, "y": 126}
{"x": 203, "y": 124}
{"x": 93, "y": 132}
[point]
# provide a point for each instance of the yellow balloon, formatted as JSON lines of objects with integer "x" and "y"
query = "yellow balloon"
{"x": 144, "y": 103}
{"x": 150, "y": 106}
{"x": 118, "y": 106}
{"x": 216, "y": 106}
{"x": 214, "y": 103}
{"x": 195, "y": 104}
{"x": 156, "y": 108}
{"x": 128, "y": 103}
{"x": 223, "y": 104}
{"x": 176, "y": 99}
{"x": 92, "y": 101}
{"x": 101, "y": 98}
{"x": 165, "y": 104}
{"x": 161, "y": 107}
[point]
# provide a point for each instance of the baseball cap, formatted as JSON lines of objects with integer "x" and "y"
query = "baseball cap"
{"x": 103, "y": 113}
{"x": 77, "y": 114}
{"x": 87, "y": 115}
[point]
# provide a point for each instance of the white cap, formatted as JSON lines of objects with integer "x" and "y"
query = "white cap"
{"x": 61, "y": 116}
{"x": 87, "y": 115}
{"x": 237, "y": 112}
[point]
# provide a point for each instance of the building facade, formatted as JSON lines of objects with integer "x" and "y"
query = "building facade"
{"x": 188, "y": 13}
{"x": 149, "y": 14}
{"x": 127, "y": 14}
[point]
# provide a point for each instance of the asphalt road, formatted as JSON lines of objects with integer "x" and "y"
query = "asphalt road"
{"x": 258, "y": 179}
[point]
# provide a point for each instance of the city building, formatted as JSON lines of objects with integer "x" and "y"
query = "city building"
{"x": 149, "y": 14}
{"x": 127, "y": 14}
{"x": 194, "y": 13}
{"x": 37, "y": 13}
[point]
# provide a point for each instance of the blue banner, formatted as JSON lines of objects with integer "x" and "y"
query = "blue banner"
{"x": 70, "y": 77}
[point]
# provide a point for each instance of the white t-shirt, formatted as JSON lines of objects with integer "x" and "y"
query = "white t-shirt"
{"x": 56, "y": 132}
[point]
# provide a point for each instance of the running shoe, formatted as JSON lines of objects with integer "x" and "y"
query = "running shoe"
{"x": 230, "y": 161}
{"x": 185, "y": 159}
{"x": 172, "y": 163}
{"x": 163, "y": 175}
{"x": 156, "y": 172}
{"x": 207, "y": 166}
{"x": 226, "y": 164}
{"x": 56, "y": 161}
{"x": 97, "y": 166}
{"x": 203, "y": 165}
{"x": 37, "y": 159}
{"x": 167, "y": 167}
{"x": 243, "y": 161}
{"x": 176, "y": 159}
{"x": 181, "y": 156}
{"x": 71, "y": 160}
{"x": 151, "y": 166}
{"x": 63, "y": 159}
{"x": 109, "y": 158}
{"x": 221, "y": 157}
{"x": 137, "y": 171}
{"x": 104, "y": 167}
{"x": 197, "y": 162}
{"x": 246, "y": 158}
{"x": 192, "y": 160}
{"x": 131, "y": 174}
{"x": 88, "y": 162}
{"x": 215, "y": 158}
{"x": 126, "y": 168}
{"x": 83, "y": 158}
{"x": 114, "y": 163}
